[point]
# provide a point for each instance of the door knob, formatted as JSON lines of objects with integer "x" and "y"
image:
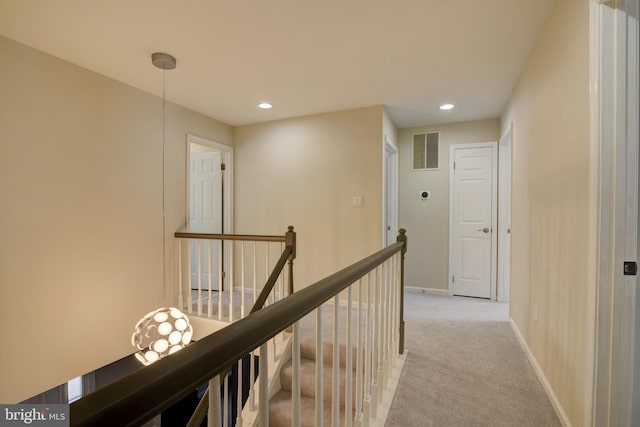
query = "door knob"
{"x": 484, "y": 230}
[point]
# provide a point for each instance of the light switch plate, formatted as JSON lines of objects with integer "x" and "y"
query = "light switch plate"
{"x": 356, "y": 202}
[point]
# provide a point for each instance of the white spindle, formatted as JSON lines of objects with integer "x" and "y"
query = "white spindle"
{"x": 209, "y": 282}
{"x": 379, "y": 316}
{"x": 359, "y": 354}
{"x": 319, "y": 370}
{"x": 281, "y": 278}
{"x": 239, "y": 403}
{"x": 263, "y": 383}
{"x": 335, "y": 396}
{"x": 199, "y": 280}
{"x": 387, "y": 324}
{"x": 232, "y": 247}
{"x": 225, "y": 409}
{"x": 190, "y": 285}
{"x": 180, "y": 260}
{"x": 220, "y": 289}
{"x": 295, "y": 378}
{"x": 348, "y": 386}
{"x": 396, "y": 307}
{"x": 266, "y": 272}
{"x": 214, "y": 415}
{"x": 368, "y": 352}
{"x": 252, "y": 388}
{"x": 375, "y": 347}
{"x": 255, "y": 273}
{"x": 242, "y": 282}
{"x": 392, "y": 311}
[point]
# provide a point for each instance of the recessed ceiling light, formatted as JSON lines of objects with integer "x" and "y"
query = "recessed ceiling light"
{"x": 264, "y": 105}
{"x": 447, "y": 106}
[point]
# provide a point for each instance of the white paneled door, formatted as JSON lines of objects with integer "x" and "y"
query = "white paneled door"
{"x": 205, "y": 215}
{"x": 472, "y": 220}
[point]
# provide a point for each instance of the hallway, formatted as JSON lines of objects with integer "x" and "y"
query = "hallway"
{"x": 465, "y": 367}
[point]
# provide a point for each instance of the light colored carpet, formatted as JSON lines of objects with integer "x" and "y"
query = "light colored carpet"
{"x": 465, "y": 367}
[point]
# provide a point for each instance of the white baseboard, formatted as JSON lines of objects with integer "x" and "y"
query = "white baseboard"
{"x": 542, "y": 377}
{"x": 427, "y": 290}
{"x": 389, "y": 392}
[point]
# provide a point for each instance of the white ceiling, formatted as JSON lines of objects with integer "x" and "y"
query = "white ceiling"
{"x": 303, "y": 56}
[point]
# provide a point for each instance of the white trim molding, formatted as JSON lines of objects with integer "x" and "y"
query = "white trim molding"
{"x": 228, "y": 177}
{"x": 614, "y": 145}
{"x": 555, "y": 402}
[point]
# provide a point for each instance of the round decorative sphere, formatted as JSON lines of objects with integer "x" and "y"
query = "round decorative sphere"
{"x": 161, "y": 333}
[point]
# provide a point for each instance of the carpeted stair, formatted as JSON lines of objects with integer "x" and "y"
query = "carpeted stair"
{"x": 280, "y": 404}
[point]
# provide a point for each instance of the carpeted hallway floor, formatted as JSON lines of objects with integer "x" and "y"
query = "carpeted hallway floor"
{"x": 465, "y": 367}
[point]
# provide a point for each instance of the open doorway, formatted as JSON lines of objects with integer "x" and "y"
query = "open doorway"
{"x": 390, "y": 192}
{"x": 209, "y": 208}
{"x": 504, "y": 215}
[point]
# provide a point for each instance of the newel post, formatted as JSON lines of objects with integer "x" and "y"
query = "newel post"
{"x": 290, "y": 241}
{"x": 402, "y": 237}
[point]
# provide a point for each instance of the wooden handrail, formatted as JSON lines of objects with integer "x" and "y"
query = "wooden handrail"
{"x": 138, "y": 397}
{"x": 245, "y": 237}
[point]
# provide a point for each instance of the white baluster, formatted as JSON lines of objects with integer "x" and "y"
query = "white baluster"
{"x": 380, "y": 350}
{"x": 383, "y": 330}
{"x": 199, "y": 277}
{"x": 266, "y": 273}
{"x": 232, "y": 247}
{"x": 214, "y": 415}
{"x": 180, "y": 295}
{"x": 252, "y": 388}
{"x": 359, "y": 354}
{"x": 225, "y": 409}
{"x": 263, "y": 382}
{"x": 387, "y": 324}
{"x": 295, "y": 378}
{"x": 281, "y": 278}
{"x": 335, "y": 396}
{"x": 220, "y": 289}
{"x": 210, "y": 300}
{"x": 255, "y": 273}
{"x": 239, "y": 402}
{"x": 242, "y": 282}
{"x": 375, "y": 347}
{"x": 190, "y": 285}
{"x": 368, "y": 354}
{"x": 348, "y": 387}
{"x": 319, "y": 370}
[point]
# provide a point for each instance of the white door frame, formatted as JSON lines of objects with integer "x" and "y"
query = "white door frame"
{"x": 227, "y": 198}
{"x": 227, "y": 188}
{"x": 494, "y": 210}
{"x": 390, "y": 199}
{"x": 504, "y": 214}
{"x": 614, "y": 148}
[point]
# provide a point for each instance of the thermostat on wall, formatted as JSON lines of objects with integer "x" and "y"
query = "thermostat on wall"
{"x": 424, "y": 195}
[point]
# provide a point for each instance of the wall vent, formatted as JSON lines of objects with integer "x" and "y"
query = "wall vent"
{"x": 426, "y": 151}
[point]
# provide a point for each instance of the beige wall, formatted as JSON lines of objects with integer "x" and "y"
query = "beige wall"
{"x": 304, "y": 172}
{"x": 550, "y": 208}
{"x": 427, "y": 221}
{"x": 81, "y": 216}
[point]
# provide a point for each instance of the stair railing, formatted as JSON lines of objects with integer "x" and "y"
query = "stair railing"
{"x": 137, "y": 398}
{"x": 211, "y": 287}
{"x": 196, "y": 249}
{"x": 204, "y": 407}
